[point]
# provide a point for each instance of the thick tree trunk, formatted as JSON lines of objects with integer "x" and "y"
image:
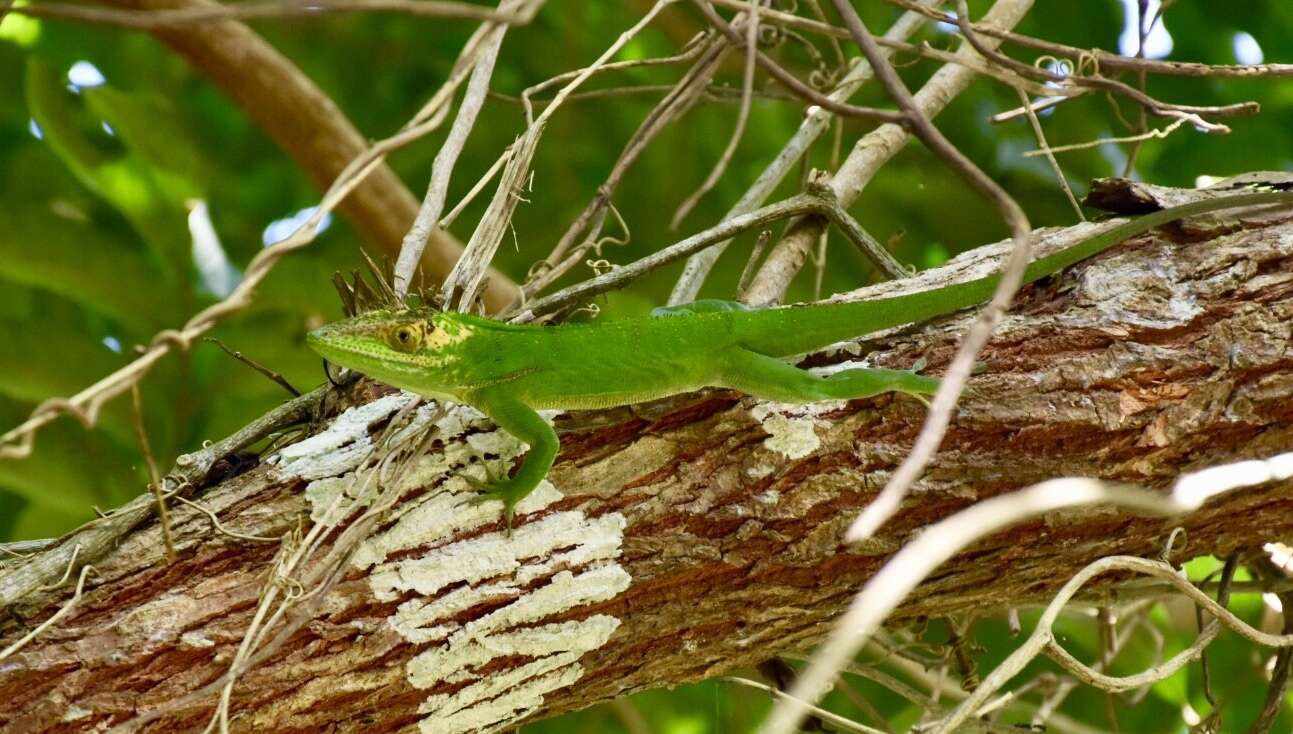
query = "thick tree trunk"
{"x": 695, "y": 535}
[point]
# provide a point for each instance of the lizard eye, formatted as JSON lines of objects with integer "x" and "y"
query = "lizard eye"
{"x": 405, "y": 338}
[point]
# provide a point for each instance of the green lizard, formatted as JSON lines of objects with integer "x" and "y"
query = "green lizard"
{"x": 507, "y": 371}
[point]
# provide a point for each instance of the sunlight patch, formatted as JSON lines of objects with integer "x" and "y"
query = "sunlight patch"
{"x": 84, "y": 75}
{"x": 1158, "y": 42}
{"x": 280, "y": 229}
{"x": 1247, "y": 50}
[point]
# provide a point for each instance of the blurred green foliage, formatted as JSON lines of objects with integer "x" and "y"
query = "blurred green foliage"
{"x": 96, "y": 181}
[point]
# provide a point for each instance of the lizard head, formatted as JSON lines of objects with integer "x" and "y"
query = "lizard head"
{"x": 413, "y": 349}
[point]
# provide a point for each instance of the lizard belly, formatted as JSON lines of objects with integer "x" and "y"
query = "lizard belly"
{"x": 609, "y": 399}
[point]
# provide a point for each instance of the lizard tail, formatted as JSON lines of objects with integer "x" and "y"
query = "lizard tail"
{"x": 782, "y": 332}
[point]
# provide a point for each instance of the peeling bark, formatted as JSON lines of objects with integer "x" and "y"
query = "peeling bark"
{"x": 700, "y": 534}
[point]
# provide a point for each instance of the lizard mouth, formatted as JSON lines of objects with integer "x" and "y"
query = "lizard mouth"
{"x": 325, "y": 340}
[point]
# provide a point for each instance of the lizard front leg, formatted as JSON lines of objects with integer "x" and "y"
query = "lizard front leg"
{"x": 525, "y": 424}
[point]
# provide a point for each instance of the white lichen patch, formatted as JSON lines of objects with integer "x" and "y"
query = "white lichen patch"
{"x": 76, "y": 713}
{"x": 792, "y": 428}
{"x": 343, "y": 445}
{"x": 196, "y": 641}
{"x": 488, "y": 704}
{"x": 560, "y": 561}
{"x": 333, "y": 496}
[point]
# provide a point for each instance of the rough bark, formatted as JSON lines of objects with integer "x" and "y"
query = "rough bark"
{"x": 1168, "y": 353}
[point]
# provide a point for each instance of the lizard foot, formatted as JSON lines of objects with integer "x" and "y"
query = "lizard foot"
{"x": 508, "y": 491}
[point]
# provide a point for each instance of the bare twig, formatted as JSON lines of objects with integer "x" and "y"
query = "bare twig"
{"x": 747, "y": 90}
{"x": 301, "y": 580}
{"x": 815, "y": 123}
{"x": 154, "y": 479}
{"x": 1046, "y": 150}
{"x": 1100, "y": 58}
{"x": 821, "y": 713}
{"x": 949, "y": 389}
{"x": 17, "y": 442}
{"x": 469, "y": 274}
{"x": 588, "y": 224}
{"x": 261, "y": 10}
{"x": 1194, "y": 113}
{"x": 63, "y": 611}
{"x": 866, "y": 157}
{"x": 273, "y": 376}
{"x": 310, "y": 127}
{"x": 1159, "y": 133}
{"x": 219, "y": 527}
{"x": 691, "y": 52}
{"x": 791, "y": 82}
{"x": 1277, "y": 689}
{"x": 809, "y": 203}
{"x": 99, "y": 536}
{"x": 428, "y": 217}
{"x": 747, "y": 273}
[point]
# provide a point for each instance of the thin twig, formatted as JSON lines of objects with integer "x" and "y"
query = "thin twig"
{"x": 154, "y": 479}
{"x": 468, "y": 275}
{"x": 260, "y": 10}
{"x": 1100, "y": 58}
{"x": 747, "y": 273}
{"x": 85, "y": 405}
{"x": 742, "y": 116}
{"x": 273, "y": 376}
{"x": 814, "y": 124}
{"x": 290, "y": 584}
{"x": 1159, "y": 133}
{"x": 447, "y": 220}
{"x": 428, "y": 217}
{"x": 217, "y": 526}
{"x": 62, "y": 612}
{"x": 791, "y": 82}
{"x": 1277, "y": 689}
{"x": 98, "y": 536}
{"x": 1046, "y": 149}
{"x": 691, "y": 52}
{"x": 807, "y": 203}
{"x": 939, "y": 542}
{"x": 565, "y": 254}
{"x": 1143, "y": 27}
{"x": 949, "y": 389}
{"x": 1147, "y": 103}
{"x": 821, "y": 713}
{"x": 865, "y": 159}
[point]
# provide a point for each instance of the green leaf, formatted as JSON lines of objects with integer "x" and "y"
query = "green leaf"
{"x": 152, "y": 131}
{"x": 70, "y": 469}
{"x": 151, "y": 198}
{"x": 81, "y": 262}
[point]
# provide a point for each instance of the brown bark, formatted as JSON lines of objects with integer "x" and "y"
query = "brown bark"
{"x": 1160, "y": 356}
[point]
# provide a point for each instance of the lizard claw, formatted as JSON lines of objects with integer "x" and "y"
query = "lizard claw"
{"x": 507, "y": 491}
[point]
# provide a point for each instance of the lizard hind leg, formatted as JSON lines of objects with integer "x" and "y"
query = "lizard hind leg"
{"x": 772, "y": 379}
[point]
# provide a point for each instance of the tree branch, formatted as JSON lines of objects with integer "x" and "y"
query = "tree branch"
{"x": 690, "y": 536}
